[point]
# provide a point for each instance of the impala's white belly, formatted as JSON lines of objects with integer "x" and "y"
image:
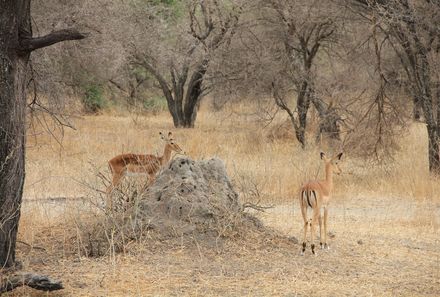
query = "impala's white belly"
{"x": 137, "y": 170}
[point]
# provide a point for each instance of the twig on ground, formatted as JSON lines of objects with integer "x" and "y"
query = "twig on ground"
{"x": 256, "y": 206}
{"x": 32, "y": 247}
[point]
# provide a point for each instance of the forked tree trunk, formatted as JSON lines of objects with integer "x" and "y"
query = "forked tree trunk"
{"x": 183, "y": 118}
{"x": 183, "y": 105}
{"x": 16, "y": 44}
{"x": 193, "y": 95}
{"x": 209, "y": 26}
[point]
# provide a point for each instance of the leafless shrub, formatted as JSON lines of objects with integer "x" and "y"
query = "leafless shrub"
{"x": 189, "y": 198}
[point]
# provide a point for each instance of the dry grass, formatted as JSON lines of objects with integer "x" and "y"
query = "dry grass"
{"x": 385, "y": 219}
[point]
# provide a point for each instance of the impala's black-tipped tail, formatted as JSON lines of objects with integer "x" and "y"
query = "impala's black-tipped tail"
{"x": 309, "y": 198}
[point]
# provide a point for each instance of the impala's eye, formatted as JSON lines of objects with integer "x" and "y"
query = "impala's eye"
{"x": 172, "y": 142}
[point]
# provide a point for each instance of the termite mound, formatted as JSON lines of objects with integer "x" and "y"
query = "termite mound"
{"x": 190, "y": 197}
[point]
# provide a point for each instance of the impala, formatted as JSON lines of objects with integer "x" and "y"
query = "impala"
{"x": 316, "y": 195}
{"x": 133, "y": 164}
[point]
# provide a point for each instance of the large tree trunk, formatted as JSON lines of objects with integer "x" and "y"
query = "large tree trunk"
{"x": 16, "y": 44}
{"x": 13, "y": 64}
{"x": 416, "y": 108}
{"x": 431, "y": 123}
{"x": 172, "y": 108}
{"x": 425, "y": 94}
{"x": 437, "y": 99}
{"x": 193, "y": 94}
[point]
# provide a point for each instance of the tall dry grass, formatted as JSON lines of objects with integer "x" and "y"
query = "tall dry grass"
{"x": 264, "y": 169}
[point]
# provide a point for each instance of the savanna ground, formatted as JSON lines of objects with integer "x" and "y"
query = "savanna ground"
{"x": 384, "y": 220}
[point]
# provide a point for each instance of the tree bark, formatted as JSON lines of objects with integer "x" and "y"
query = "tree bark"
{"x": 193, "y": 94}
{"x": 424, "y": 93}
{"x": 12, "y": 118}
{"x": 303, "y": 105}
{"x": 328, "y": 117}
{"x": 416, "y": 108}
{"x": 437, "y": 99}
{"x": 16, "y": 44}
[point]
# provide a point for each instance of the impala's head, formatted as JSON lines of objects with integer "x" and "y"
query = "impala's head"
{"x": 333, "y": 162}
{"x": 171, "y": 143}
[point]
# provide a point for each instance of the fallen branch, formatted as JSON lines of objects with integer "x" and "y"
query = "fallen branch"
{"x": 256, "y": 206}
{"x": 38, "y": 282}
{"x": 32, "y": 247}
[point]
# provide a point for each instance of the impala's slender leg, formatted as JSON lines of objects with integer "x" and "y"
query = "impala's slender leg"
{"x": 325, "y": 227}
{"x": 306, "y": 223}
{"x": 320, "y": 230}
{"x": 312, "y": 229}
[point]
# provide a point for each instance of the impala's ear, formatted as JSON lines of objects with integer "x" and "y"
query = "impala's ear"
{"x": 161, "y": 136}
{"x": 322, "y": 156}
{"x": 339, "y": 156}
{"x": 170, "y": 134}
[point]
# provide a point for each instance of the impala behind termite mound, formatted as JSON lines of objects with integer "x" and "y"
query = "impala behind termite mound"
{"x": 316, "y": 195}
{"x": 134, "y": 164}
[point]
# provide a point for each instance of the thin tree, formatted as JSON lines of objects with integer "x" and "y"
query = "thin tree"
{"x": 304, "y": 33}
{"x": 411, "y": 29}
{"x": 16, "y": 45}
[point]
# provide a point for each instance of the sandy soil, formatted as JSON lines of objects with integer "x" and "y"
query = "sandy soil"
{"x": 381, "y": 247}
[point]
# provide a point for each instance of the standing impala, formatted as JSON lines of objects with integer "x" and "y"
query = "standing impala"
{"x": 133, "y": 164}
{"x": 316, "y": 195}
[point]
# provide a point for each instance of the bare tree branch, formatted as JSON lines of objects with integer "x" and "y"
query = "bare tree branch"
{"x": 31, "y": 44}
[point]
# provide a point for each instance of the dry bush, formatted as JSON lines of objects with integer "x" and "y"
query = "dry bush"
{"x": 193, "y": 199}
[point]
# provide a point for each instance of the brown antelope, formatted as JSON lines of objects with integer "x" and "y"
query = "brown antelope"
{"x": 316, "y": 194}
{"x": 133, "y": 164}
